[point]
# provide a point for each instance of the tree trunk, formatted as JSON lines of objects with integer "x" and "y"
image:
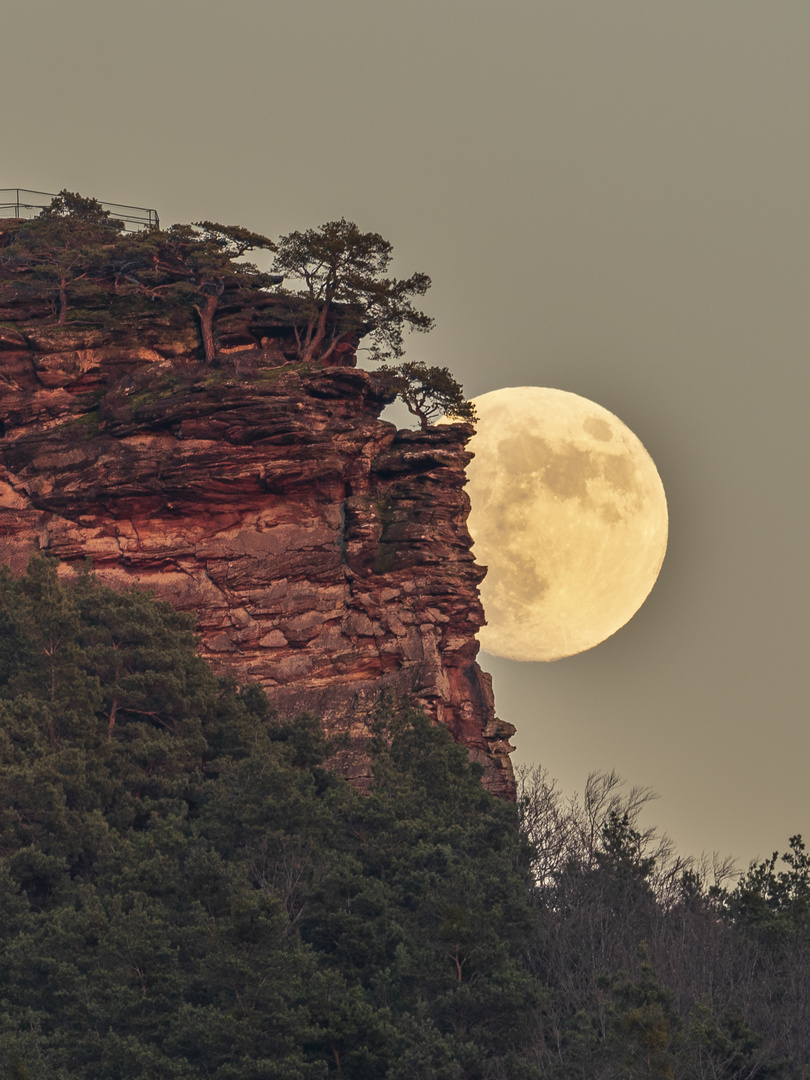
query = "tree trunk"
{"x": 62, "y": 302}
{"x": 320, "y": 333}
{"x": 206, "y": 310}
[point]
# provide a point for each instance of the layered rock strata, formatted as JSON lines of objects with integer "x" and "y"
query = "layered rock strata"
{"x": 324, "y": 552}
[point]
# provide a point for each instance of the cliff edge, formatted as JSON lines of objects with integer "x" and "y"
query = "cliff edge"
{"x": 324, "y": 552}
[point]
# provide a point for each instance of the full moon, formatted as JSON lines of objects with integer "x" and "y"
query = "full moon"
{"x": 569, "y": 515}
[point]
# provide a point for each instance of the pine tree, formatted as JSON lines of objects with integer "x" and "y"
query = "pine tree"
{"x": 428, "y": 392}
{"x": 64, "y": 251}
{"x": 337, "y": 265}
{"x": 195, "y": 264}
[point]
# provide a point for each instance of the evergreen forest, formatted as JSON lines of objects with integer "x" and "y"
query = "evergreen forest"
{"x": 187, "y": 891}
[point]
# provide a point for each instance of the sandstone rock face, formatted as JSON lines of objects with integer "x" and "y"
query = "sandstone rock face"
{"x": 325, "y": 553}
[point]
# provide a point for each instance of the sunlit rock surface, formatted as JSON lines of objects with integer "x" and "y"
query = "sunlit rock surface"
{"x": 325, "y": 553}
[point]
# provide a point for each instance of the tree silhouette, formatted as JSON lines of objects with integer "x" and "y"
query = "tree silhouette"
{"x": 337, "y": 264}
{"x": 428, "y": 392}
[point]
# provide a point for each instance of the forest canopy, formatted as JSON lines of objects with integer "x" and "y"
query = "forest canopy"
{"x": 187, "y": 890}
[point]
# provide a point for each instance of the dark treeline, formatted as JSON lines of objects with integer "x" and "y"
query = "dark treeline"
{"x": 660, "y": 965}
{"x": 186, "y": 891}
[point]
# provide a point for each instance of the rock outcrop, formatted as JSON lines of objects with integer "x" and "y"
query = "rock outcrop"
{"x": 325, "y": 553}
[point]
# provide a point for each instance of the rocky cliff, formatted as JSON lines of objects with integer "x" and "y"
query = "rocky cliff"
{"x": 325, "y": 553}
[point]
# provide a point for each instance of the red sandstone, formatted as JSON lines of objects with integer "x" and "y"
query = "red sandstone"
{"x": 325, "y": 553}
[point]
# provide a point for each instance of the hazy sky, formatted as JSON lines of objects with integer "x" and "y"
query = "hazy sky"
{"x": 611, "y": 197}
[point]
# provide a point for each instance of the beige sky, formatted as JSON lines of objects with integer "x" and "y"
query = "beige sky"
{"x": 611, "y": 198}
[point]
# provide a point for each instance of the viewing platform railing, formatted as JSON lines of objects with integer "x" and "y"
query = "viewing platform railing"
{"x": 19, "y": 203}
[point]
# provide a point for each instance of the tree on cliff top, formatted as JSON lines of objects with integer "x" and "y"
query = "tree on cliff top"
{"x": 196, "y": 263}
{"x": 67, "y": 247}
{"x": 75, "y": 245}
{"x": 429, "y": 392}
{"x": 339, "y": 264}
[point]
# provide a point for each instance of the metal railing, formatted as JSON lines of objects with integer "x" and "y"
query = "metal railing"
{"x": 19, "y": 203}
